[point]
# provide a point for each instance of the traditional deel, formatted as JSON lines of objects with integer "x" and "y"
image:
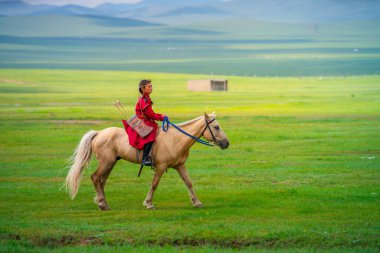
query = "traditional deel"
{"x": 144, "y": 111}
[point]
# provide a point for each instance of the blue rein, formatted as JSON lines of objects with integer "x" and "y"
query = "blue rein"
{"x": 165, "y": 126}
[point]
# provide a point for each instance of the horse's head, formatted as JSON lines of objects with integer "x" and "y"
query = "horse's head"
{"x": 214, "y": 133}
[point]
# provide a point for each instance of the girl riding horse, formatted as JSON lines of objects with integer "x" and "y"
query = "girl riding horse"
{"x": 144, "y": 111}
{"x": 171, "y": 149}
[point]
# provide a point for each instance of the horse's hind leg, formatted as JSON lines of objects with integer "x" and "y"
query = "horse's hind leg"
{"x": 99, "y": 179}
{"x": 97, "y": 198}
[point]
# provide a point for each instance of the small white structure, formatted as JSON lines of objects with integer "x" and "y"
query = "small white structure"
{"x": 208, "y": 85}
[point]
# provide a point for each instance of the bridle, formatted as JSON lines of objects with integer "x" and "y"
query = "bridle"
{"x": 166, "y": 123}
{"x": 209, "y": 128}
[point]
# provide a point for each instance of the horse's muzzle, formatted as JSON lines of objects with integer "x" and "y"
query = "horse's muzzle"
{"x": 223, "y": 144}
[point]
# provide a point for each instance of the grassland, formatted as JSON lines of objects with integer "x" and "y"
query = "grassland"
{"x": 301, "y": 174}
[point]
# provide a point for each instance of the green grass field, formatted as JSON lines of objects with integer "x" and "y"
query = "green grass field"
{"x": 301, "y": 174}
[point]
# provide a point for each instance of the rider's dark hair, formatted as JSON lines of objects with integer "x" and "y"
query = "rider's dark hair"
{"x": 143, "y": 83}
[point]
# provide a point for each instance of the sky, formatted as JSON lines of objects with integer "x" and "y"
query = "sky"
{"x": 87, "y": 3}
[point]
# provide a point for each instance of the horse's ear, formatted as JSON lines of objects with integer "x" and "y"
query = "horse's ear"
{"x": 206, "y": 116}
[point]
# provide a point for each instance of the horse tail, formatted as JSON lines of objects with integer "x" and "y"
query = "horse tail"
{"x": 78, "y": 162}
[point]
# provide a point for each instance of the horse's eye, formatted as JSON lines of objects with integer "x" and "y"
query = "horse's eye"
{"x": 216, "y": 127}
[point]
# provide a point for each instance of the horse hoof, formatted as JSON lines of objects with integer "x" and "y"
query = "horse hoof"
{"x": 199, "y": 205}
{"x": 103, "y": 208}
{"x": 148, "y": 206}
{"x": 96, "y": 200}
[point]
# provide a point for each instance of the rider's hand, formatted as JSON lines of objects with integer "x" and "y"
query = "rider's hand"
{"x": 166, "y": 118}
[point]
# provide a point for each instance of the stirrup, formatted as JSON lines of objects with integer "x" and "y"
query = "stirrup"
{"x": 147, "y": 161}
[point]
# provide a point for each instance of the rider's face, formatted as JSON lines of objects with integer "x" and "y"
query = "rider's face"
{"x": 148, "y": 88}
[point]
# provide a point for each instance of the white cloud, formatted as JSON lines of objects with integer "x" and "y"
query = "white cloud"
{"x": 87, "y": 3}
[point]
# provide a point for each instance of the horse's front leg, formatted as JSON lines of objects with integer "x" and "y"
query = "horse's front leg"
{"x": 186, "y": 178}
{"x": 156, "y": 179}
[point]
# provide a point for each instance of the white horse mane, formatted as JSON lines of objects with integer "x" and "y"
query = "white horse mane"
{"x": 193, "y": 120}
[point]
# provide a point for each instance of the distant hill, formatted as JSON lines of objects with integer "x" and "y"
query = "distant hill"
{"x": 69, "y": 9}
{"x": 115, "y": 10}
{"x": 118, "y": 22}
{"x": 306, "y": 11}
{"x": 67, "y": 26}
{"x": 18, "y": 7}
{"x": 171, "y": 11}
{"x": 242, "y": 37}
{"x": 201, "y": 10}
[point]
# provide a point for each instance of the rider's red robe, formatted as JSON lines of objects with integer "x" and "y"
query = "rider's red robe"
{"x": 145, "y": 112}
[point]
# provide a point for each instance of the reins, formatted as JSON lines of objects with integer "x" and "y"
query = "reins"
{"x": 166, "y": 123}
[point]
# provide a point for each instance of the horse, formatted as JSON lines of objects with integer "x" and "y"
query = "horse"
{"x": 171, "y": 150}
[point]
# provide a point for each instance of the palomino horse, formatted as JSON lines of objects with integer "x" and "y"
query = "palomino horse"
{"x": 170, "y": 151}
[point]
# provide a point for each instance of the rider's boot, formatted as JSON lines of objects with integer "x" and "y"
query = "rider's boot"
{"x": 147, "y": 159}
